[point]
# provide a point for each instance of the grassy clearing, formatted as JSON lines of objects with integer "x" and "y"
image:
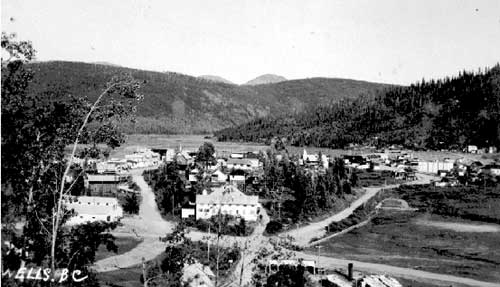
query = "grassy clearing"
{"x": 395, "y": 238}
{"x": 376, "y": 178}
{"x": 124, "y": 244}
{"x": 400, "y": 238}
{"x": 127, "y": 277}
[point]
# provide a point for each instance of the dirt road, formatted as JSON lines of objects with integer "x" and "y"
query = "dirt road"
{"x": 413, "y": 274}
{"x": 148, "y": 224}
{"x": 304, "y": 235}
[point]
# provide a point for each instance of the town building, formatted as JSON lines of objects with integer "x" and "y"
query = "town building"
{"x": 106, "y": 184}
{"x": 227, "y": 200}
{"x": 493, "y": 169}
{"x": 237, "y": 175}
{"x": 243, "y": 163}
{"x": 93, "y": 209}
{"x": 434, "y": 166}
{"x": 218, "y": 177}
{"x": 142, "y": 158}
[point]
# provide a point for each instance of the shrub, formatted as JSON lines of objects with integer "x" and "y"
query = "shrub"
{"x": 131, "y": 203}
{"x": 274, "y": 227}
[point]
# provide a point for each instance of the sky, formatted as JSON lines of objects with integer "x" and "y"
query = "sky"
{"x": 389, "y": 41}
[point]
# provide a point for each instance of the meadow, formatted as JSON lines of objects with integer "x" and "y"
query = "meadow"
{"x": 455, "y": 231}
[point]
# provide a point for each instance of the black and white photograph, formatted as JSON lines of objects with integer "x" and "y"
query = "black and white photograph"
{"x": 250, "y": 143}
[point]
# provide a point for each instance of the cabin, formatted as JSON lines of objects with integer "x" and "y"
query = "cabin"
{"x": 227, "y": 200}
{"x": 106, "y": 184}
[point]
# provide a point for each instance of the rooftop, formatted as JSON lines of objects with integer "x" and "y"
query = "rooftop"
{"x": 227, "y": 195}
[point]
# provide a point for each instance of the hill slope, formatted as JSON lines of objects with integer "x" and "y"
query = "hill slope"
{"x": 448, "y": 113}
{"x": 215, "y": 79}
{"x": 266, "y": 79}
{"x": 176, "y": 103}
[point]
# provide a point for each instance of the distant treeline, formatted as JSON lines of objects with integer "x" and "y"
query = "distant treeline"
{"x": 447, "y": 113}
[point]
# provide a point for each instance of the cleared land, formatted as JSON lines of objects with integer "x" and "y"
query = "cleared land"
{"x": 460, "y": 227}
{"x": 124, "y": 245}
{"x": 455, "y": 232}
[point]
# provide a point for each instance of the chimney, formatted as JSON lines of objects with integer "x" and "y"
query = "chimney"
{"x": 349, "y": 271}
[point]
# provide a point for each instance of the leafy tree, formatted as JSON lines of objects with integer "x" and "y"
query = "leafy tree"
{"x": 206, "y": 154}
{"x": 131, "y": 203}
{"x": 289, "y": 276}
{"x": 169, "y": 187}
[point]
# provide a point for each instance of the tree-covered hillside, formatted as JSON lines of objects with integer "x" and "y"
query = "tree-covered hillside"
{"x": 176, "y": 103}
{"x": 445, "y": 113}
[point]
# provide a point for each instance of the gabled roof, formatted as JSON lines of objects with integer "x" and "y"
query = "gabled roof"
{"x": 227, "y": 195}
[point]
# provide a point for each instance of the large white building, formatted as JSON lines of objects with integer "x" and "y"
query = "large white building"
{"x": 228, "y": 200}
{"x": 434, "y": 166}
{"x": 93, "y": 208}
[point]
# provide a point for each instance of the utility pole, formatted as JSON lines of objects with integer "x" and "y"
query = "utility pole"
{"x": 208, "y": 244}
{"x": 243, "y": 262}
{"x": 317, "y": 262}
{"x": 144, "y": 272}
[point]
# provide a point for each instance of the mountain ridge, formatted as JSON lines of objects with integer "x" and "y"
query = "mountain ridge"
{"x": 266, "y": 79}
{"x": 178, "y": 103}
{"x": 216, "y": 78}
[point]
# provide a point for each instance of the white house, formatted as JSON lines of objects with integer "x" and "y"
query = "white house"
{"x": 227, "y": 200}
{"x": 311, "y": 158}
{"x": 434, "y": 166}
{"x": 93, "y": 208}
{"x": 237, "y": 175}
{"x": 143, "y": 158}
{"x": 112, "y": 165}
{"x": 218, "y": 176}
{"x": 472, "y": 149}
{"x": 493, "y": 169}
{"x": 237, "y": 155}
{"x": 242, "y": 163}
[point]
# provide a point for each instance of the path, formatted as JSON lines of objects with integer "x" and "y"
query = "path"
{"x": 304, "y": 235}
{"x": 148, "y": 224}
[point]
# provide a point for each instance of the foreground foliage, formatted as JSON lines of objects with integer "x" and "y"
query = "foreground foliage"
{"x": 36, "y": 129}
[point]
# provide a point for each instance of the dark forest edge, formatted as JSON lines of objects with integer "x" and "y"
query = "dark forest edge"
{"x": 448, "y": 113}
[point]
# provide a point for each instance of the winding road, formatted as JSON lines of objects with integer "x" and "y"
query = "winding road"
{"x": 148, "y": 225}
{"x": 303, "y": 235}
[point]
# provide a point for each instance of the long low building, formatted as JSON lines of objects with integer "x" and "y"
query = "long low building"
{"x": 93, "y": 208}
{"x": 434, "y": 166}
{"x": 228, "y": 200}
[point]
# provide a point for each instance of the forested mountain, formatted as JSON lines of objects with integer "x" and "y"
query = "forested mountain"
{"x": 445, "y": 113}
{"x": 266, "y": 79}
{"x": 177, "y": 103}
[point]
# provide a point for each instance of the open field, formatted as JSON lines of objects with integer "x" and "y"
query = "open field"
{"x": 188, "y": 142}
{"x": 396, "y": 239}
{"x": 456, "y": 231}
{"x": 459, "y": 227}
{"x": 376, "y": 178}
{"x": 124, "y": 244}
{"x": 126, "y": 277}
